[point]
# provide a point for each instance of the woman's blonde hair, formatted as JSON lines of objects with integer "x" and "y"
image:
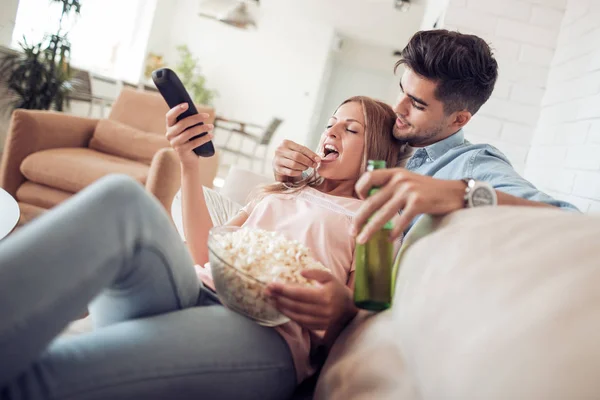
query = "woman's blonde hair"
{"x": 380, "y": 144}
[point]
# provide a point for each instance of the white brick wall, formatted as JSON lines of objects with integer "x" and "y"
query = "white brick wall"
{"x": 565, "y": 154}
{"x": 545, "y": 111}
{"x": 523, "y": 34}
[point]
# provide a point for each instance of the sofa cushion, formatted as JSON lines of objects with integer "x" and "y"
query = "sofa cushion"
{"x": 41, "y": 195}
{"x": 367, "y": 363}
{"x": 241, "y": 183}
{"x": 112, "y": 137}
{"x": 73, "y": 169}
{"x": 496, "y": 303}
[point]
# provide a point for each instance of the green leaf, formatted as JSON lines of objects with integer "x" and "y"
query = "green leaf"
{"x": 192, "y": 78}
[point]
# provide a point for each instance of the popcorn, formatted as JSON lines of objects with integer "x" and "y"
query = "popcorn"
{"x": 262, "y": 257}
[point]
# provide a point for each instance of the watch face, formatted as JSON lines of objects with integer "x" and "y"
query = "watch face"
{"x": 482, "y": 196}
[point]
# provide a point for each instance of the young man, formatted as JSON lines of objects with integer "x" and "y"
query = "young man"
{"x": 448, "y": 77}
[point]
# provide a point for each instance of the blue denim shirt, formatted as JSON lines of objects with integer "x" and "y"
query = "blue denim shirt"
{"x": 456, "y": 158}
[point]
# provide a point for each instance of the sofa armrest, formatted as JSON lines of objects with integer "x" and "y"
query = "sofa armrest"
{"x": 32, "y": 131}
{"x": 164, "y": 177}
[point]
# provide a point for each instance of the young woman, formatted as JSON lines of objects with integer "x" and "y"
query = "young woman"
{"x": 159, "y": 332}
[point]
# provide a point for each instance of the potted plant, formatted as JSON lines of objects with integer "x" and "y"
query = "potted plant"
{"x": 38, "y": 77}
{"x": 191, "y": 77}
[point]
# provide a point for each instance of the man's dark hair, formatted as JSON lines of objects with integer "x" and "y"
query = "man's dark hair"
{"x": 462, "y": 65}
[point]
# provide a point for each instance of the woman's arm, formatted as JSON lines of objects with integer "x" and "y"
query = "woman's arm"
{"x": 196, "y": 218}
{"x": 238, "y": 219}
{"x": 184, "y": 136}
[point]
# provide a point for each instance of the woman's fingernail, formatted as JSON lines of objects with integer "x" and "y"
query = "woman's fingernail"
{"x": 184, "y": 106}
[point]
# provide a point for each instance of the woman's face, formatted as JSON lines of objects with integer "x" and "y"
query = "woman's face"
{"x": 342, "y": 144}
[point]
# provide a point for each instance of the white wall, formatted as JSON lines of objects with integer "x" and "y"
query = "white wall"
{"x": 523, "y": 34}
{"x": 565, "y": 154}
{"x": 358, "y": 68}
{"x": 545, "y": 111}
{"x": 275, "y": 70}
{"x": 8, "y": 13}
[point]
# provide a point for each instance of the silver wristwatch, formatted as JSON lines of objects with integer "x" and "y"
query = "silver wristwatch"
{"x": 479, "y": 194}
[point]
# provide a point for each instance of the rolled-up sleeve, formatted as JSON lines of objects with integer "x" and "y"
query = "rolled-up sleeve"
{"x": 490, "y": 166}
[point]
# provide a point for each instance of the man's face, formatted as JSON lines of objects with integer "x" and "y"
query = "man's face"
{"x": 421, "y": 118}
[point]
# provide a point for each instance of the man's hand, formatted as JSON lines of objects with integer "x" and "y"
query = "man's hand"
{"x": 405, "y": 191}
{"x": 319, "y": 308}
{"x": 291, "y": 159}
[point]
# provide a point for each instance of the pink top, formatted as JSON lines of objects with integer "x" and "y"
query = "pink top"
{"x": 322, "y": 223}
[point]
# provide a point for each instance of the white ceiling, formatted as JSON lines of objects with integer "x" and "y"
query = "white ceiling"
{"x": 375, "y": 22}
{"x": 372, "y": 21}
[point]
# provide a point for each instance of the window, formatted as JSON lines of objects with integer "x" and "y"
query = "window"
{"x": 108, "y": 38}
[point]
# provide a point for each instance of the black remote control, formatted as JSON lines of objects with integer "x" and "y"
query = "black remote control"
{"x": 172, "y": 90}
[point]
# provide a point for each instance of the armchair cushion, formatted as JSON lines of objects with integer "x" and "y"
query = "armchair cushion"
{"x": 73, "y": 169}
{"x": 32, "y": 131}
{"x": 41, "y": 195}
{"x": 112, "y": 137}
{"x": 29, "y": 212}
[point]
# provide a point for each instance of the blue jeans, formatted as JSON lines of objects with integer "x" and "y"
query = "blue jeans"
{"x": 159, "y": 334}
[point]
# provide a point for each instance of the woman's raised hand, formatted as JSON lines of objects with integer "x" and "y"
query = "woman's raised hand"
{"x": 179, "y": 135}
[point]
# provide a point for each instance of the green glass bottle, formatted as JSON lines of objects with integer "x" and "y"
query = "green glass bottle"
{"x": 374, "y": 262}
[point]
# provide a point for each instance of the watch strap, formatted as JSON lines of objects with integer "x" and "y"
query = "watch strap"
{"x": 470, "y": 183}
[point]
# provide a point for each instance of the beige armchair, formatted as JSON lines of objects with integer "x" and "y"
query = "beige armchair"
{"x": 50, "y": 156}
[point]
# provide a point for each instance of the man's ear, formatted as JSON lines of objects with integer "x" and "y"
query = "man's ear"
{"x": 461, "y": 118}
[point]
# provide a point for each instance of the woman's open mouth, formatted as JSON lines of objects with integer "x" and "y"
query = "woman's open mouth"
{"x": 330, "y": 153}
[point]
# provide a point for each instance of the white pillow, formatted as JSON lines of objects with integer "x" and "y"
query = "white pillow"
{"x": 220, "y": 208}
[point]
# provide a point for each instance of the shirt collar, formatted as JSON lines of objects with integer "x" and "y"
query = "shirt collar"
{"x": 436, "y": 150}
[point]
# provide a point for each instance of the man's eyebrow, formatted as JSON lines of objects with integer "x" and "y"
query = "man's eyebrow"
{"x": 416, "y": 99}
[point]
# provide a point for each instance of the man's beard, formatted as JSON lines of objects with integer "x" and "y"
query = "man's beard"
{"x": 415, "y": 139}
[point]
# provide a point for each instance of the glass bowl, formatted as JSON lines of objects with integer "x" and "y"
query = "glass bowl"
{"x": 237, "y": 289}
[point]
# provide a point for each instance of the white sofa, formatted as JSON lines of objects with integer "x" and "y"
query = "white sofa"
{"x": 497, "y": 303}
